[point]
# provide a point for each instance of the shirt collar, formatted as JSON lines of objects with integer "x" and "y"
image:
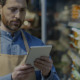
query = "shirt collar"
{"x": 8, "y": 34}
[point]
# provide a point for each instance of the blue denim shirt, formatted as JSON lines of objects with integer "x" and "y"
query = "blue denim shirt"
{"x": 15, "y": 46}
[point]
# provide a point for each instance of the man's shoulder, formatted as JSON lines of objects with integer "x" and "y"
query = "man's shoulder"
{"x": 32, "y": 38}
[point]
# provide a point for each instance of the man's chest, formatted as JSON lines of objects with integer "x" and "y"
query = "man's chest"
{"x": 12, "y": 47}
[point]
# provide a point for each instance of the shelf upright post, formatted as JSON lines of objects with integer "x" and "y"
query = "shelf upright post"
{"x": 43, "y": 21}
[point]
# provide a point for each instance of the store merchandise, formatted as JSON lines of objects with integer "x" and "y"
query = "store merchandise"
{"x": 75, "y": 11}
{"x": 74, "y": 37}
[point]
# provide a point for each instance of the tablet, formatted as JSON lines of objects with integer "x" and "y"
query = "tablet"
{"x": 36, "y": 52}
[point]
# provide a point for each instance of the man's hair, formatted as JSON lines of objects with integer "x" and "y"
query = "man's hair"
{"x": 3, "y": 2}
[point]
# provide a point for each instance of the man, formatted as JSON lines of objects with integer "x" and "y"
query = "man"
{"x": 13, "y": 47}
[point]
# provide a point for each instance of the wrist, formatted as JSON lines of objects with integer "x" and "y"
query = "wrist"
{"x": 46, "y": 76}
{"x": 12, "y": 76}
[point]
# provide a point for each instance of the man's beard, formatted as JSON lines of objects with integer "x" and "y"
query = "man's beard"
{"x": 9, "y": 24}
{"x": 12, "y": 26}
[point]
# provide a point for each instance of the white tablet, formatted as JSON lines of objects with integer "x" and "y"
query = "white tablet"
{"x": 36, "y": 52}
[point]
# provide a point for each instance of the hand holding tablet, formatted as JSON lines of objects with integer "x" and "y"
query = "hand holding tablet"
{"x": 36, "y": 52}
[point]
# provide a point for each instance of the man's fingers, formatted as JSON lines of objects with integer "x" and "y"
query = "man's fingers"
{"x": 26, "y": 76}
{"x": 42, "y": 67}
{"x": 22, "y": 71}
{"x": 43, "y": 63}
{"x": 23, "y": 67}
{"x": 39, "y": 66}
{"x": 26, "y": 72}
{"x": 45, "y": 58}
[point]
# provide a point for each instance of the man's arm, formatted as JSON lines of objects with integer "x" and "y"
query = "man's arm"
{"x": 6, "y": 77}
{"x": 52, "y": 76}
{"x": 45, "y": 64}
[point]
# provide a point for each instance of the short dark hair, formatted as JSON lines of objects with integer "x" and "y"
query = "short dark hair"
{"x": 3, "y": 2}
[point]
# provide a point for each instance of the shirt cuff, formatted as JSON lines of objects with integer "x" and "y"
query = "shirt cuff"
{"x": 7, "y": 77}
{"x": 48, "y": 78}
{"x": 53, "y": 76}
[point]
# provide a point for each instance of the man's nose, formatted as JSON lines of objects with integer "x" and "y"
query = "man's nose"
{"x": 17, "y": 15}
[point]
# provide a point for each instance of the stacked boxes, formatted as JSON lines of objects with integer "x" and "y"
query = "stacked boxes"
{"x": 75, "y": 11}
{"x": 75, "y": 39}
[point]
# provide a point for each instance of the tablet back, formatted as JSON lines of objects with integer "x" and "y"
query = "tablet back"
{"x": 36, "y": 52}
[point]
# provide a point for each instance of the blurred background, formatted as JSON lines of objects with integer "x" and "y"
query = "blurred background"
{"x": 57, "y": 22}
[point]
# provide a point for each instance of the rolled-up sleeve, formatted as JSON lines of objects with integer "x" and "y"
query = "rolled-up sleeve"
{"x": 53, "y": 75}
{"x": 7, "y": 77}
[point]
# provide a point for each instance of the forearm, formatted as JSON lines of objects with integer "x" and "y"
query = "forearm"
{"x": 52, "y": 76}
{"x": 6, "y": 77}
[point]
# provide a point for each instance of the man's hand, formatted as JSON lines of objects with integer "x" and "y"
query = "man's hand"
{"x": 23, "y": 72}
{"x": 44, "y": 64}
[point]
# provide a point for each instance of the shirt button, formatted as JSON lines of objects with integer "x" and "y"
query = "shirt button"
{"x": 14, "y": 49}
{"x": 7, "y": 33}
{"x": 12, "y": 43}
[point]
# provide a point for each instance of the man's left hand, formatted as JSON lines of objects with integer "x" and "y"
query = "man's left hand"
{"x": 44, "y": 64}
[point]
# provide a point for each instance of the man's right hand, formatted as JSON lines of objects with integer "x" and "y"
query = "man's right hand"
{"x": 23, "y": 72}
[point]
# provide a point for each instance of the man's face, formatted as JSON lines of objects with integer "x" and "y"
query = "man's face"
{"x": 13, "y": 13}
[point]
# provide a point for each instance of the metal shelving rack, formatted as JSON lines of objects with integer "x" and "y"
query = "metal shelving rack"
{"x": 43, "y": 19}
